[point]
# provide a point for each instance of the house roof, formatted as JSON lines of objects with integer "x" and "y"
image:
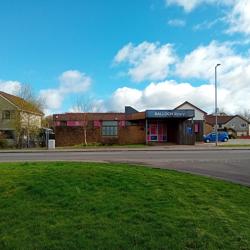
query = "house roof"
{"x": 21, "y": 103}
{"x": 243, "y": 118}
{"x": 222, "y": 119}
{"x": 210, "y": 119}
{"x": 192, "y": 105}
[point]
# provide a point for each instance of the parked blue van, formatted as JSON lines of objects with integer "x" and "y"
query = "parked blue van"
{"x": 211, "y": 137}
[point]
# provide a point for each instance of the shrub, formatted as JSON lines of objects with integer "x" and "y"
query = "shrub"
{"x": 3, "y": 142}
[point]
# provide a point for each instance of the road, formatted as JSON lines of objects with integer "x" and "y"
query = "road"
{"x": 232, "y": 165}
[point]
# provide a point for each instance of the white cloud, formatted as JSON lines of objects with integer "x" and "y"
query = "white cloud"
{"x": 207, "y": 24}
{"x": 233, "y": 81}
{"x": 124, "y": 96}
{"x": 177, "y": 22}
{"x": 74, "y": 81}
{"x": 233, "y": 74}
{"x": 53, "y": 98}
{"x": 91, "y": 105}
{"x": 200, "y": 62}
{"x": 239, "y": 18}
{"x": 169, "y": 94}
{"x": 147, "y": 61}
{"x": 188, "y": 5}
{"x": 70, "y": 82}
{"x": 11, "y": 87}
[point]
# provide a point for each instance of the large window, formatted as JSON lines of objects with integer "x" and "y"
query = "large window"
{"x": 6, "y": 115}
{"x": 109, "y": 128}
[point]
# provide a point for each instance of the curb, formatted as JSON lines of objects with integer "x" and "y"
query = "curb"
{"x": 125, "y": 149}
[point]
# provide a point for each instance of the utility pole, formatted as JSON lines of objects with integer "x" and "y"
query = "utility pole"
{"x": 216, "y": 105}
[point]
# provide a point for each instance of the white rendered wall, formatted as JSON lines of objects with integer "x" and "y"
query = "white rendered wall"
{"x": 198, "y": 114}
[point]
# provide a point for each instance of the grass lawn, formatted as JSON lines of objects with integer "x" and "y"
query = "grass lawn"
{"x": 234, "y": 145}
{"x": 98, "y": 145}
{"x": 117, "y": 206}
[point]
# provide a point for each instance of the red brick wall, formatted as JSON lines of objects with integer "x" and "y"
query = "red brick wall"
{"x": 70, "y": 136}
{"x": 208, "y": 128}
{"x": 132, "y": 135}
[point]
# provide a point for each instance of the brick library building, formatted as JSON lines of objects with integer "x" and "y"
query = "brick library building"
{"x": 176, "y": 126}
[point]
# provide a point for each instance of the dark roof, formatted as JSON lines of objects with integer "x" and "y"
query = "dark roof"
{"x": 98, "y": 116}
{"x": 243, "y": 118}
{"x": 222, "y": 119}
{"x": 21, "y": 103}
{"x": 186, "y": 102}
{"x": 136, "y": 116}
{"x": 90, "y": 116}
{"x": 130, "y": 110}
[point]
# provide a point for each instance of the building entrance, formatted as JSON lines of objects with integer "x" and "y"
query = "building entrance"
{"x": 157, "y": 131}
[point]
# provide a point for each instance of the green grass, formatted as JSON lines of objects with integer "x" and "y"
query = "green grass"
{"x": 99, "y": 145}
{"x": 116, "y": 206}
{"x": 234, "y": 145}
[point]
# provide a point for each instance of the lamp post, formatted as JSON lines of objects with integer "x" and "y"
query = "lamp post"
{"x": 216, "y": 106}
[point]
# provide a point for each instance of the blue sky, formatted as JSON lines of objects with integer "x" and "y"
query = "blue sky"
{"x": 145, "y": 53}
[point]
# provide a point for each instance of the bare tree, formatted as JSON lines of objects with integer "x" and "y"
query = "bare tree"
{"x": 27, "y": 93}
{"x": 85, "y": 105}
{"x": 246, "y": 114}
{"x": 47, "y": 121}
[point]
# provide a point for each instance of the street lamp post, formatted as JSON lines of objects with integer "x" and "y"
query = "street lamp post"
{"x": 216, "y": 106}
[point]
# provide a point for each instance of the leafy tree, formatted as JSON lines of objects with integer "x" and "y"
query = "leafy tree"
{"x": 25, "y": 119}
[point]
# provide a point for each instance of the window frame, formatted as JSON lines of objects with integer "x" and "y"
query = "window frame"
{"x": 109, "y": 129}
{"x": 5, "y": 116}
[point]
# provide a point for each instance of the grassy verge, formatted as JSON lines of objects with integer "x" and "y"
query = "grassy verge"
{"x": 98, "y": 145}
{"x": 234, "y": 145}
{"x": 117, "y": 206}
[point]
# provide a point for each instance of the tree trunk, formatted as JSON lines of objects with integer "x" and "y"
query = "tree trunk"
{"x": 85, "y": 136}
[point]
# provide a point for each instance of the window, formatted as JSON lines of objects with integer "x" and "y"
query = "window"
{"x": 6, "y": 115}
{"x": 243, "y": 125}
{"x": 109, "y": 128}
{"x": 196, "y": 127}
{"x": 7, "y": 134}
{"x": 63, "y": 123}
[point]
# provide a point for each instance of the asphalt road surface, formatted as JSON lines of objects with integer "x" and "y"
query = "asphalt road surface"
{"x": 232, "y": 165}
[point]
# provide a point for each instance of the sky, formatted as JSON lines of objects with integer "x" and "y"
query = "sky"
{"x": 149, "y": 54}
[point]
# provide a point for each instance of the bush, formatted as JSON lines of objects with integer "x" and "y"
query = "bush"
{"x": 109, "y": 141}
{"x": 91, "y": 144}
{"x": 3, "y": 143}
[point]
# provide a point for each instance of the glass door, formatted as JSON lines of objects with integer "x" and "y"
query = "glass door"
{"x": 157, "y": 131}
{"x": 153, "y": 132}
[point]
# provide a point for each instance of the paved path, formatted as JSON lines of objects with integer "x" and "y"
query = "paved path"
{"x": 233, "y": 165}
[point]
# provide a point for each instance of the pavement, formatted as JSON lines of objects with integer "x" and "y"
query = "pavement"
{"x": 237, "y": 142}
{"x": 197, "y": 147}
{"x": 223, "y": 163}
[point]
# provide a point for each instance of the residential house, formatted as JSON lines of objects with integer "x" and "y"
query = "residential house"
{"x": 235, "y": 125}
{"x": 18, "y": 119}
